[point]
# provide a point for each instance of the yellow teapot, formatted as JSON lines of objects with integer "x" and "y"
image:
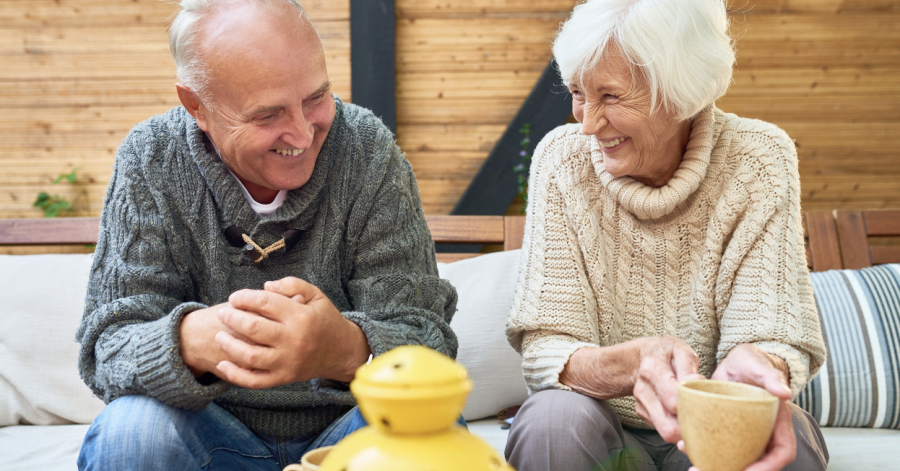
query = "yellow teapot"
{"x": 412, "y": 397}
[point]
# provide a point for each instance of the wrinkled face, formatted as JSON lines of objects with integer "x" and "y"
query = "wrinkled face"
{"x": 613, "y": 105}
{"x": 272, "y": 105}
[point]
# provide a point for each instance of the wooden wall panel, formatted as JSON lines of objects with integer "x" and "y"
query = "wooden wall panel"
{"x": 464, "y": 67}
{"x": 77, "y": 75}
{"x": 827, "y": 71}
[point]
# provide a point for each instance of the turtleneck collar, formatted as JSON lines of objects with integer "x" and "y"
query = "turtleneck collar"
{"x": 647, "y": 202}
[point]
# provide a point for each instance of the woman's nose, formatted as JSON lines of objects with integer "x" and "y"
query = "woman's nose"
{"x": 594, "y": 121}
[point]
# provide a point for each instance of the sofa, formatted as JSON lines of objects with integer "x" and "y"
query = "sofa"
{"x": 45, "y": 408}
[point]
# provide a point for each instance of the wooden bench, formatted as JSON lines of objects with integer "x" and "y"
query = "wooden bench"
{"x": 471, "y": 230}
{"x": 834, "y": 240}
{"x": 855, "y": 228}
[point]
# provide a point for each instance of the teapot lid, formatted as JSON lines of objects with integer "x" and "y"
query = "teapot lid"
{"x": 412, "y": 366}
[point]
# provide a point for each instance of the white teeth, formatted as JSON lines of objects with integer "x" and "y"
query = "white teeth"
{"x": 290, "y": 152}
{"x": 613, "y": 142}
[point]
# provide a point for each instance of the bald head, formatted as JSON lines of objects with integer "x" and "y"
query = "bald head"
{"x": 200, "y": 23}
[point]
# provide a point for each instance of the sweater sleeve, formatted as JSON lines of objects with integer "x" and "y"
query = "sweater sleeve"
{"x": 554, "y": 311}
{"x": 394, "y": 288}
{"x": 771, "y": 302}
{"x": 136, "y": 297}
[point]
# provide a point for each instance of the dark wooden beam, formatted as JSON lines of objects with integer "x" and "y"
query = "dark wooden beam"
{"x": 494, "y": 187}
{"x": 372, "y": 56}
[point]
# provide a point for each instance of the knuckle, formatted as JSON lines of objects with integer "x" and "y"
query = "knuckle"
{"x": 253, "y": 357}
{"x": 251, "y": 326}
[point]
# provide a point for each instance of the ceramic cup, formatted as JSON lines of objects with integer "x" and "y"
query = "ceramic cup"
{"x": 725, "y": 426}
{"x": 311, "y": 460}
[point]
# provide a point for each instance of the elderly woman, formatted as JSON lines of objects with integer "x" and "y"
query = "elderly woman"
{"x": 663, "y": 243}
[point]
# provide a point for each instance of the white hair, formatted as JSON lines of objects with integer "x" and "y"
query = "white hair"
{"x": 680, "y": 47}
{"x": 190, "y": 68}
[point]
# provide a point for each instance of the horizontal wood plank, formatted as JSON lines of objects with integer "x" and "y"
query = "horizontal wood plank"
{"x": 883, "y": 223}
{"x": 454, "y": 257}
{"x": 885, "y": 254}
{"x": 49, "y": 231}
{"x": 466, "y": 229}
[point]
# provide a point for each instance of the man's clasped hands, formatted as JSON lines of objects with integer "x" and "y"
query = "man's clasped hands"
{"x": 287, "y": 332}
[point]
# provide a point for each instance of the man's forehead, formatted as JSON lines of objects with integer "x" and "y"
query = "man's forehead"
{"x": 250, "y": 26}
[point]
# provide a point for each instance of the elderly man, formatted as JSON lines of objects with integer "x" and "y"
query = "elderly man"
{"x": 257, "y": 245}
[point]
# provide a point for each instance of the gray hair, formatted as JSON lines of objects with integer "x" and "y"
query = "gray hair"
{"x": 681, "y": 47}
{"x": 191, "y": 69}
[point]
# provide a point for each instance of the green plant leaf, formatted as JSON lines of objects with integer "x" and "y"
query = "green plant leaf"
{"x": 42, "y": 200}
{"x": 56, "y": 207}
{"x": 71, "y": 177}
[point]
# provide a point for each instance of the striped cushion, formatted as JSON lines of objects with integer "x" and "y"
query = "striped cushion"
{"x": 859, "y": 384}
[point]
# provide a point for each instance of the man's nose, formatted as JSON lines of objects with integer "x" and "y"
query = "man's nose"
{"x": 300, "y": 134}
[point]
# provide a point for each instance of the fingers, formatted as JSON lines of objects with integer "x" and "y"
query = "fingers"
{"x": 292, "y": 286}
{"x": 649, "y": 405}
{"x": 244, "y": 355}
{"x": 249, "y": 327}
{"x": 782, "y": 449}
{"x": 748, "y": 364}
{"x": 659, "y": 375}
{"x": 265, "y": 303}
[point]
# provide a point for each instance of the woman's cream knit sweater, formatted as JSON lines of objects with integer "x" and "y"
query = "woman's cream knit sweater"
{"x": 715, "y": 257}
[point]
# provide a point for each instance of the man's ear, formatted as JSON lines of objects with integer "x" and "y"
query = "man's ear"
{"x": 191, "y": 103}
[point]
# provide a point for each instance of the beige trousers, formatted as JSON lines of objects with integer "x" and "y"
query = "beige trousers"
{"x": 559, "y": 430}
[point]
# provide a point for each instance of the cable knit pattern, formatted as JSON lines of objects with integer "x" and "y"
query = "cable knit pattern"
{"x": 714, "y": 257}
{"x": 161, "y": 254}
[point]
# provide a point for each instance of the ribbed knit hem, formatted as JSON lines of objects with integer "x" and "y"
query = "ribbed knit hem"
{"x": 797, "y": 363}
{"x": 287, "y": 424}
{"x": 333, "y": 391}
{"x": 542, "y": 369}
{"x": 161, "y": 367}
{"x": 384, "y": 336}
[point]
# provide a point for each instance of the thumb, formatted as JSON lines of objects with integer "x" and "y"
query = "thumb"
{"x": 686, "y": 365}
{"x": 774, "y": 383}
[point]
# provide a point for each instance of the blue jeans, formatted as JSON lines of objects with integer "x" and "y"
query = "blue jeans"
{"x": 141, "y": 433}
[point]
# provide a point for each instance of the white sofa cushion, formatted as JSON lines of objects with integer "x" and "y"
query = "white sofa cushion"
{"x": 486, "y": 286}
{"x": 41, "y": 447}
{"x": 43, "y": 299}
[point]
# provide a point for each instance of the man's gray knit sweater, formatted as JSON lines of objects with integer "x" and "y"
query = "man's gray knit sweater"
{"x": 162, "y": 254}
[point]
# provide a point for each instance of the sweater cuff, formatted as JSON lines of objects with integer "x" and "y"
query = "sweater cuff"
{"x": 543, "y": 367}
{"x": 797, "y": 363}
{"x": 161, "y": 367}
{"x": 384, "y": 336}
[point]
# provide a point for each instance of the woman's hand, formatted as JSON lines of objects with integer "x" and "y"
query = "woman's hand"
{"x": 648, "y": 368}
{"x": 664, "y": 362}
{"x": 750, "y": 365}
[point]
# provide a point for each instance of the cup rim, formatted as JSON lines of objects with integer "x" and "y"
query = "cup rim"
{"x": 686, "y": 386}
